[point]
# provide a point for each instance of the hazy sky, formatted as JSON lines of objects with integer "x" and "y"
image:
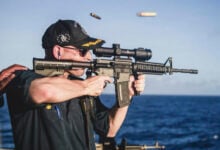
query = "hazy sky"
{"x": 187, "y": 30}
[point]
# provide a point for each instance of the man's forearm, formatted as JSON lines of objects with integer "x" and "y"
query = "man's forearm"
{"x": 116, "y": 118}
{"x": 59, "y": 89}
{"x": 55, "y": 89}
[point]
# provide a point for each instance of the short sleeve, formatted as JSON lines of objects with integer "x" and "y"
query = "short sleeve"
{"x": 18, "y": 90}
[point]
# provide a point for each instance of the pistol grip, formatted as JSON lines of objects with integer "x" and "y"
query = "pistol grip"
{"x": 136, "y": 93}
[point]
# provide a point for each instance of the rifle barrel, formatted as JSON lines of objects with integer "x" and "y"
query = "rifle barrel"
{"x": 159, "y": 68}
{"x": 192, "y": 71}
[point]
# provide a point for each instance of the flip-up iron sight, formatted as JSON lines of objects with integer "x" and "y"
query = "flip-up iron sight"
{"x": 139, "y": 54}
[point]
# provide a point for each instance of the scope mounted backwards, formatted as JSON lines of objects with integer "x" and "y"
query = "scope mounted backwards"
{"x": 139, "y": 54}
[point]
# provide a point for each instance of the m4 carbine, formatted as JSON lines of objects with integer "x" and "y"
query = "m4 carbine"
{"x": 124, "y": 62}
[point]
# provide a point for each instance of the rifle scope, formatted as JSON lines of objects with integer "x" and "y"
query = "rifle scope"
{"x": 140, "y": 54}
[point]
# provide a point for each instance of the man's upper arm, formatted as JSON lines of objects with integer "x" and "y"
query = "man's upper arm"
{"x": 18, "y": 89}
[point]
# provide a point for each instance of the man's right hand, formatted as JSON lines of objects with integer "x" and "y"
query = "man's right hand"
{"x": 6, "y": 75}
{"x": 95, "y": 84}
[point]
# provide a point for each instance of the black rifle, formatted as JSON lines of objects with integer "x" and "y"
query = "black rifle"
{"x": 124, "y": 63}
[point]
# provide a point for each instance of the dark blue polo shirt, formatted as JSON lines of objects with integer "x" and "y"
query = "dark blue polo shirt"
{"x": 58, "y": 126}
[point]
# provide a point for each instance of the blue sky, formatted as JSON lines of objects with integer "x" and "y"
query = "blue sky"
{"x": 186, "y": 30}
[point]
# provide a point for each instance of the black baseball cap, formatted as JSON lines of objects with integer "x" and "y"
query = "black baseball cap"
{"x": 69, "y": 32}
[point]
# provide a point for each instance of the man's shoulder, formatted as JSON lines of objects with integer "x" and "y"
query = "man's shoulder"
{"x": 24, "y": 77}
{"x": 23, "y": 72}
{"x": 26, "y": 73}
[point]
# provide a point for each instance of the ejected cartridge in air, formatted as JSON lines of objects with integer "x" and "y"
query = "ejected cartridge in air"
{"x": 146, "y": 14}
{"x": 95, "y": 16}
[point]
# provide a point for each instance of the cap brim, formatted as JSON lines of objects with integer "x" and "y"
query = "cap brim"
{"x": 90, "y": 43}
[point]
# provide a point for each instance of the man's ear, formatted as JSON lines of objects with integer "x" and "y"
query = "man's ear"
{"x": 57, "y": 51}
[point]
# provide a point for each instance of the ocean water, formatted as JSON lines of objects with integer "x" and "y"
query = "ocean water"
{"x": 6, "y": 140}
{"x": 177, "y": 122}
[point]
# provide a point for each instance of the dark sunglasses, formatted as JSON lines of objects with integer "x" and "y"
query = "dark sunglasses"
{"x": 82, "y": 51}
